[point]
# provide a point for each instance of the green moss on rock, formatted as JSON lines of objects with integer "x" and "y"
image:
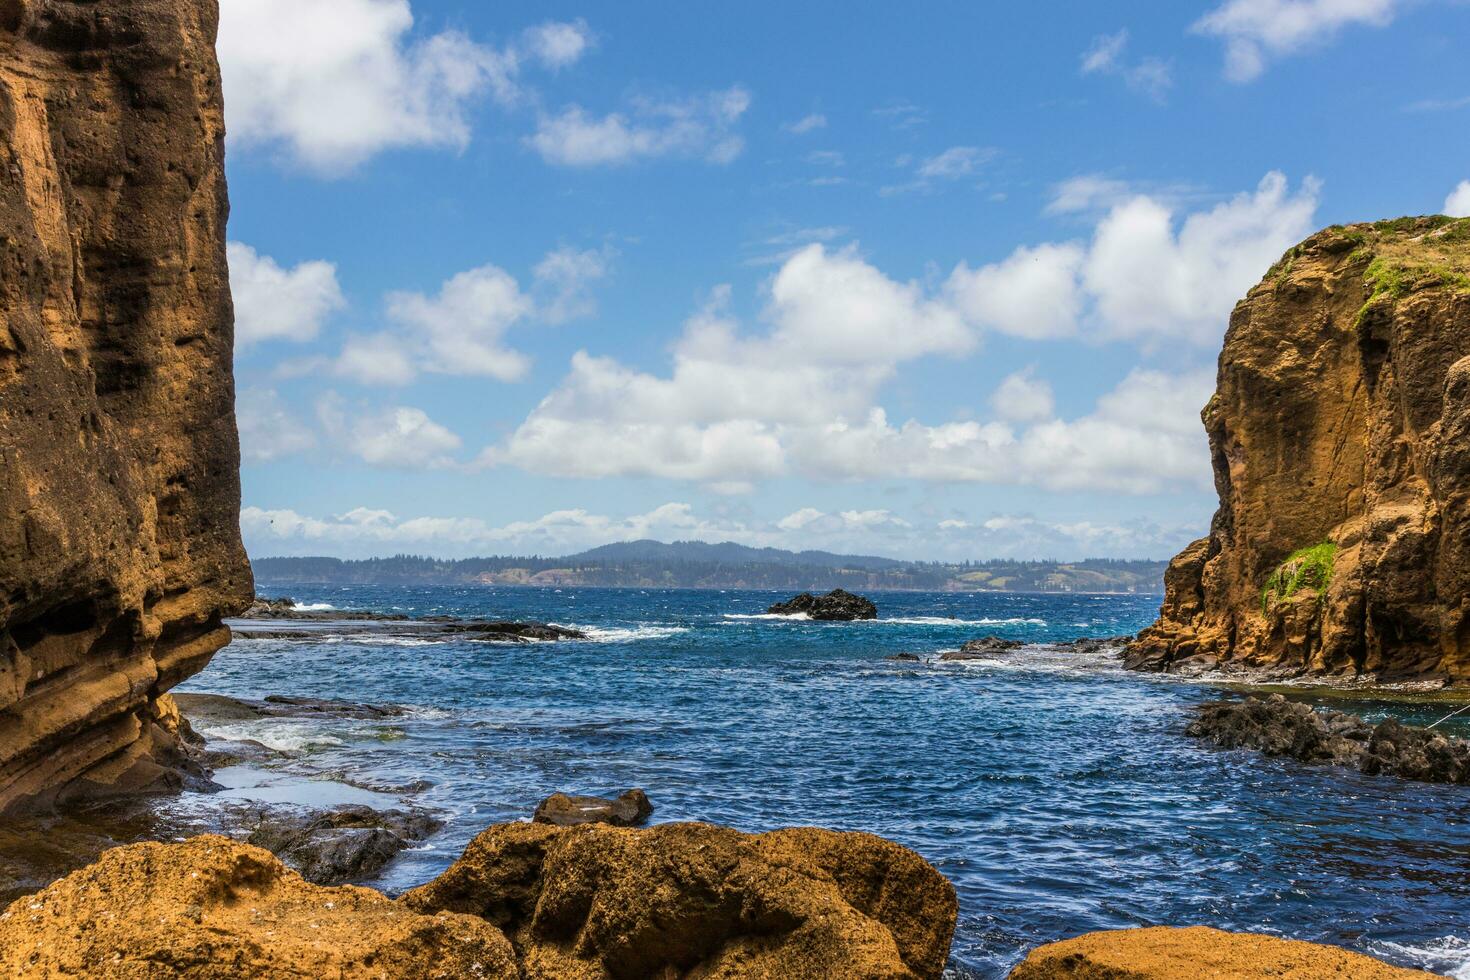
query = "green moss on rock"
{"x": 1307, "y": 568}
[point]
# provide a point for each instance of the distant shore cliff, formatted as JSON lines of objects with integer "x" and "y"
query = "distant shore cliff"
{"x": 119, "y": 486}
{"x": 1340, "y": 433}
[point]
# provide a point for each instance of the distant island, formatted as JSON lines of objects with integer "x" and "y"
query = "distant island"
{"x": 699, "y": 565}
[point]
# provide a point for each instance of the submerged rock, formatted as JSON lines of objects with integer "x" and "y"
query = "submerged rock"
{"x": 839, "y": 605}
{"x": 693, "y": 899}
{"x": 629, "y": 810}
{"x": 1096, "y": 644}
{"x": 211, "y": 908}
{"x": 285, "y": 608}
{"x": 1163, "y": 953}
{"x": 1279, "y": 727}
{"x": 349, "y": 843}
{"x": 909, "y": 658}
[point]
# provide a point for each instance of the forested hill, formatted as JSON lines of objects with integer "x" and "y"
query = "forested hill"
{"x": 693, "y": 564}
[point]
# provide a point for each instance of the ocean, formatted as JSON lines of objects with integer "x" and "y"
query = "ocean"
{"x": 1057, "y": 791}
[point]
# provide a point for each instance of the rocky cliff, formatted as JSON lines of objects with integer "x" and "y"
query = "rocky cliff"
{"x": 119, "y": 491}
{"x": 1340, "y": 434}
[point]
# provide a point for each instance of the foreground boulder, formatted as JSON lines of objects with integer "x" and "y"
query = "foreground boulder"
{"x": 215, "y": 909}
{"x": 1340, "y": 434}
{"x": 1196, "y": 953}
{"x": 120, "y": 543}
{"x": 599, "y": 902}
{"x": 1279, "y": 727}
{"x": 629, "y": 810}
{"x": 839, "y": 605}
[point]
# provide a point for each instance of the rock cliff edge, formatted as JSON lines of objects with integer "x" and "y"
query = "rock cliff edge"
{"x": 119, "y": 489}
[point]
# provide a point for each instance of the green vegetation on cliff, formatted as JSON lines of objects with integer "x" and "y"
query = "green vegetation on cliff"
{"x": 1307, "y": 568}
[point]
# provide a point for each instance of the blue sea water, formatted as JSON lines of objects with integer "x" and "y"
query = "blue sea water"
{"x": 1055, "y": 790}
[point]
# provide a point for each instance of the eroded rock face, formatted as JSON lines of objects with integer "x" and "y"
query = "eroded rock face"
{"x": 119, "y": 541}
{"x": 608, "y": 903}
{"x": 1176, "y": 954}
{"x": 215, "y": 909}
{"x": 1340, "y": 433}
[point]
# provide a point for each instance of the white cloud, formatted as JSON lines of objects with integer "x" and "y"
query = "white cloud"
{"x": 826, "y": 158}
{"x": 1033, "y": 293}
{"x": 955, "y": 162}
{"x": 699, "y": 127}
{"x": 1457, "y": 205}
{"x": 806, "y": 124}
{"x": 272, "y": 303}
{"x": 901, "y": 114}
{"x": 461, "y": 330}
{"x": 398, "y": 437}
{"x": 364, "y": 531}
{"x": 1148, "y": 76}
{"x": 1086, "y": 192}
{"x": 558, "y": 44}
{"x": 268, "y": 431}
{"x": 1152, "y": 279}
{"x": 1023, "y": 398}
{"x": 1255, "y": 31}
{"x": 333, "y": 82}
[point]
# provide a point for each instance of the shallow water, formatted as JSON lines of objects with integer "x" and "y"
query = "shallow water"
{"x": 1056, "y": 791}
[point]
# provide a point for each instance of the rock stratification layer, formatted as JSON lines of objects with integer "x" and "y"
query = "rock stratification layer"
{"x": 119, "y": 492}
{"x": 1340, "y": 434}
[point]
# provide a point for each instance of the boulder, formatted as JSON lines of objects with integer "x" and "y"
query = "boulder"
{"x": 596, "y": 902}
{"x": 1197, "y": 953}
{"x": 982, "y": 649}
{"x": 629, "y": 810}
{"x": 1096, "y": 644}
{"x": 838, "y": 605}
{"x": 908, "y": 658}
{"x": 1278, "y": 727}
{"x": 211, "y": 908}
{"x": 349, "y": 843}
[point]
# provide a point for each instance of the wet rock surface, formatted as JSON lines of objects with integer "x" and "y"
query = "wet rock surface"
{"x": 839, "y": 605}
{"x": 257, "y": 623}
{"x": 1278, "y": 727}
{"x": 595, "y": 902}
{"x": 1197, "y": 953}
{"x": 982, "y": 649}
{"x": 629, "y": 809}
{"x": 346, "y": 844}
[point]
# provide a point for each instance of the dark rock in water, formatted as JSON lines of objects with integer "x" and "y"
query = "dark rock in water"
{"x": 628, "y": 810}
{"x": 1089, "y": 644}
{"x": 285, "y": 608}
{"x": 839, "y": 605}
{"x": 982, "y": 649}
{"x": 1280, "y": 727}
{"x": 516, "y": 632}
{"x": 912, "y": 658}
{"x": 346, "y": 844}
{"x": 207, "y": 709}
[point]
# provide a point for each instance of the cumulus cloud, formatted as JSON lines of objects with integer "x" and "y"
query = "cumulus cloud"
{"x": 1148, "y": 275}
{"x": 698, "y": 127}
{"x": 1255, "y": 31}
{"x": 396, "y": 437}
{"x": 274, "y": 303}
{"x": 1022, "y": 397}
{"x": 800, "y": 398}
{"x": 333, "y": 82}
{"x": 1457, "y": 205}
{"x": 268, "y": 430}
{"x": 461, "y": 329}
{"x": 1148, "y": 76}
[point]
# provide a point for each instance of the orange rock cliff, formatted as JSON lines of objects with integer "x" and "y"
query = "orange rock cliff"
{"x": 1340, "y": 435}
{"x": 119, "y": 489}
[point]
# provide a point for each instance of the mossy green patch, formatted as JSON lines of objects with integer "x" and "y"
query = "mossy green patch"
{"x": 1307, "y": 568}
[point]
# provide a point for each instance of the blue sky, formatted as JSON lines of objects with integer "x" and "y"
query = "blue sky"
{"x": 940, "y": 280}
